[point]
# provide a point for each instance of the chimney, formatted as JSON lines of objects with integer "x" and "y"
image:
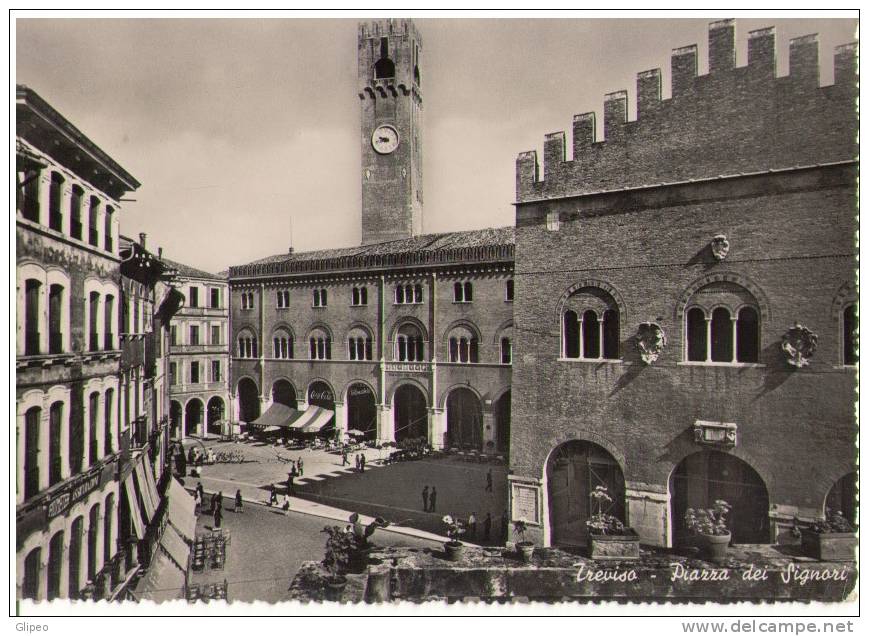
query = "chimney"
{"x": 290, "y": 251}
{"x": 142, "y": 239}
{"x": 159, "y": 252}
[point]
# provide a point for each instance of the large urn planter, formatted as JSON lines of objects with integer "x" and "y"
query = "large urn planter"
{"x": 713, "y": 546}
{"x": 455, "y": 550}
{"x": 615, "y": 547}
{"x": 335, "y": 585}
{"x": 525, "y": 550}
{"x": 829, "y": 546}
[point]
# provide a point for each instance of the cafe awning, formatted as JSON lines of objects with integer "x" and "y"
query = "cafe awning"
{"x": 147, "y": 500}
{"x": 182, "y": 511}
{"x": 175, "y": 547}
{"x": 277, "y": 415}
{"x": 164, "y": 580}
{"x": 320, "y": 419}
{"x": 133, "y": 502}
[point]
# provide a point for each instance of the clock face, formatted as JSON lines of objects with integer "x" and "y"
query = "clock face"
{"x": 384, "y": 139}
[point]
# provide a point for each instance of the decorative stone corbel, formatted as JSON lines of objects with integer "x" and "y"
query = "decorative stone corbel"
{"x": 720, "y": 246}
{"x": 798, "y": 345}
{"x": 650, "y": 340}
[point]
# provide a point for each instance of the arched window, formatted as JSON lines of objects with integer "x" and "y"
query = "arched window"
{"x": 55, "y": 193}
{"x": 32, "y": 291}
{"x": 590, "y": 326}
{"x": 320, "y": 344}
{"x": 321, "y": 299}
{"x": 93, "y": 534}
{"x": 55, "y": 436}
{"x": 75, "y": 542}
{"x": 93, "y": 219}
{"x": 247, "y": 345}
{"x": 108, "y": 413}
{"x": 75, "y": 204}
{"x": 55, "y": 565}
{"x": 107, "y": 528}
{"x": 359, "y": 345}
{"x": 55, "y": 319}
{"x": 506, "y": 351}
{"x": 359, "y": 296}
{"x": 108, "y": 311}
{"x": 93, "y": 421}
{"x": 417, "y": 293}
{"x": 32, "y": 567}
{"x": 384, "y": 68}
{"x": 28, "y": 192}
{"x": 283, "y": 344}
{"x": 722, "y": 325}
{"x": 93, "y": 334}
{"x": 409, "y": 345}
{"x": 107, "y": 229}
{"x": 850, "y": 326}
{"x": 32, "y": 424}
{"x": 464, "y": 346}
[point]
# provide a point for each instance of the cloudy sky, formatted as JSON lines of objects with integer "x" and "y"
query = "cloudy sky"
{"x": 236, "y": 126}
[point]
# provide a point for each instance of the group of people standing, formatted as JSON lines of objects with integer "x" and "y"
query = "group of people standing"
{"x": 216, "y": 503}
{"x": 360, "y": 460}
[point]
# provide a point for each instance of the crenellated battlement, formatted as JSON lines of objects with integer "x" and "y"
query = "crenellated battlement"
{"x": 728, "y": 121}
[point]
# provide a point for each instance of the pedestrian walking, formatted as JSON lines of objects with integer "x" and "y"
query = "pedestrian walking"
{"x": 472, "y": 526}
{"x": 344, "y": 461}
{"x": 218, "y": 517}
{"x": 489, "y": 481}
{"x": 357, "y": 461}
{"x": 239, "y": 502}
{"x": 201, "y": 491}
{"x": 504, "y": 522}
{"x": 220, "y": 499}
{"x": 487, "y": 527}
{"x": 362, "y": 463}
{"x": 290, "y": 484}
{"x": 301, "y": 467}
{"x": 197, "y": 502}
{"x": 425, "y": 499}
{"x": 213, "y": 503}
{"x": 273, "y": 496}
{"x": 286, "y": 505}
{"x": 432, "y": 499}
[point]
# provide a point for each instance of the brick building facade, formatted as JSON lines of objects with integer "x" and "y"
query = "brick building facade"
{"x": 672, "y": 281}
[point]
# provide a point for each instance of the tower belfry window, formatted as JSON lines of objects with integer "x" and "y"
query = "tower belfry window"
{"x": 384, "y": 67}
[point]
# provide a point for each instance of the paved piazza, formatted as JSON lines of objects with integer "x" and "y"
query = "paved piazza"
{"x": 392, "y": 491}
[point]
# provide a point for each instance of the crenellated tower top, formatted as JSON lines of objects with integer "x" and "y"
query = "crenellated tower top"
{"x": 731, "y": 120}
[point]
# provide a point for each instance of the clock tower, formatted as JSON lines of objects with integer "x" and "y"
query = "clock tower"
{"x": 391, "y": 102}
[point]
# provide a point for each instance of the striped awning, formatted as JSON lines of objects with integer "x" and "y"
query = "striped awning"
{"x": 164, "y": 580}
{"x": 175, "y": 547}
{"x": 148, "y": 503}
{"x": 133, "y": 501}
{"x": 311, "y": 420}
{"x": 320, "y": 419}
{"x": 182, "y": 511}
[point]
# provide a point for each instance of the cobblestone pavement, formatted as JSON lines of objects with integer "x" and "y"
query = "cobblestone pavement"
{"x": 267, "y": 547}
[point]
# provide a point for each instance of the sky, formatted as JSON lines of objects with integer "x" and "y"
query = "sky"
{"x": 244, "y": 133}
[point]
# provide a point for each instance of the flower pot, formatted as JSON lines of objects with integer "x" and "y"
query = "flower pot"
{"x": 615, "y": 547}
{"x": 829, "y": 546}
{"x": 335, "y": 587}
{"x": 454, "y": 550}
{"x": 359, "y": 559}
{"x": 714, "y": 546}
{"x": 525, "y": 550}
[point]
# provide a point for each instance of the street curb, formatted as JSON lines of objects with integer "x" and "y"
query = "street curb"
{"x": 403, "y": 530}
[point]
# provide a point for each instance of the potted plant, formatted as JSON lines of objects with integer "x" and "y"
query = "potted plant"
{"x": 455, "y": 529}
{"x": 608, "y": 536}
{"x": 336, "y": 560}
{"x": 524, "y": 548}
{"x": 710, "y": 527}
{"x": 830, "y": 539}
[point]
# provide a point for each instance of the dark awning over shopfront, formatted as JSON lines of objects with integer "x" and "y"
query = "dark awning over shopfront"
{"x": 164, "y": 580}
{"x": 182, "y": 511}
{"x": 133, "y": 502}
